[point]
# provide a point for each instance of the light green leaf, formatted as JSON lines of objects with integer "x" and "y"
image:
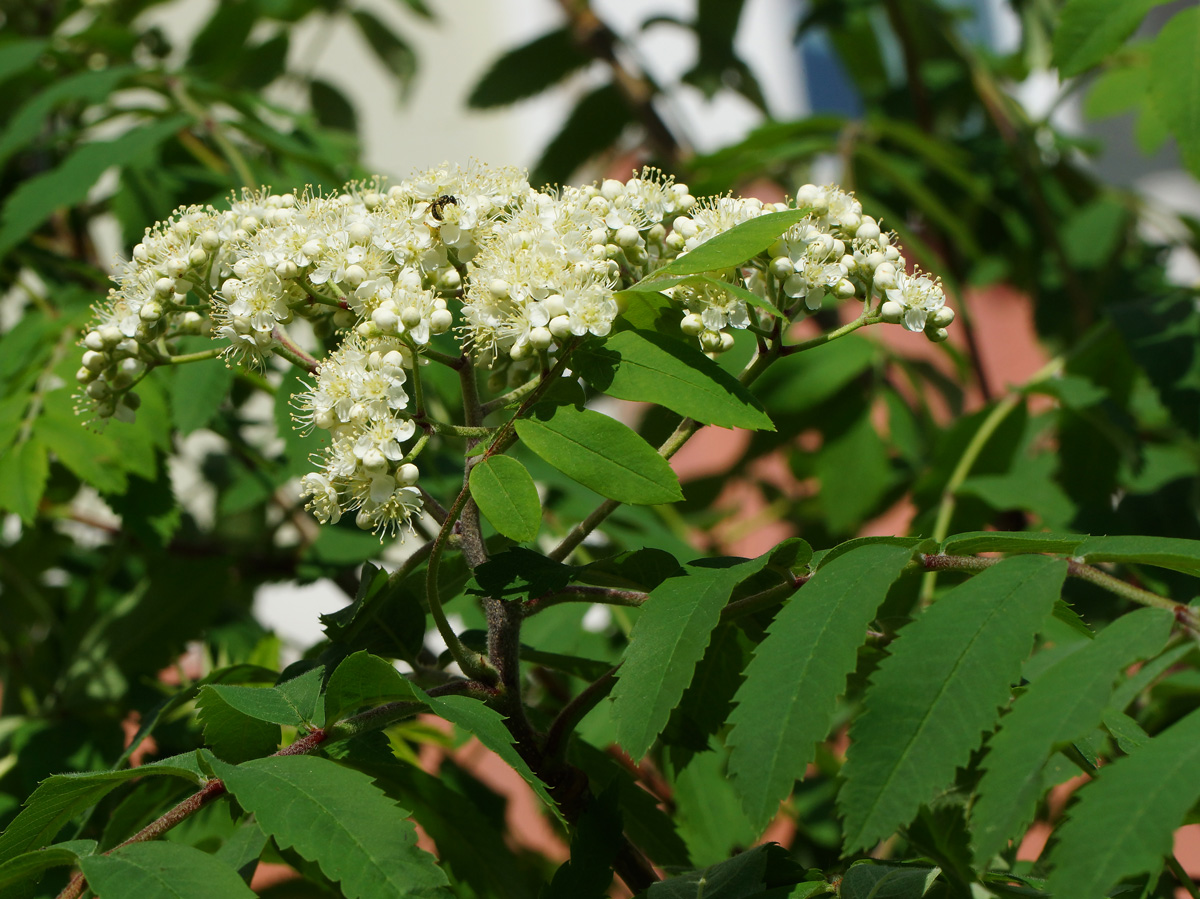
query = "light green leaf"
{"x": 363, "y": 680}
{"x": 602, "y": 454}
{"x": 37, "y": 198}
{"x": 197, "y": 390}
{"x": 61, "y": 797}
{"x": 1090, "y": 30}
{"x": 507, "y": 497}
{"x": 1175, "y": 82}
{"x": 289, "y": 703}
{"x": 786, "y": 704}
{"x": 667, "y": 641}
{"x": 931, "y": 700}
{"x": 721, "y": 286}
{"x": 336, "y": 817}
{"x": 1124, "y": 820}
{"x": 162, "y": 870}
{"x": 1065, "y": 703}
{"x": 24, "y": 469}
{"x": 645, "y": 366}
{"x": 31, "y": 865}
{"x": 1118, "y": 90}
{"x": 1164, "y": 552}
{"x": 730, "y": 248}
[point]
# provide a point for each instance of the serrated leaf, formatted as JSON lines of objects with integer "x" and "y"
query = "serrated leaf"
{"x": 24, "y": 469}
{"x": 389, "y": 48}
{"x": 1090, "y": 30}
{"x": 198, "y": 389}
{"x": 162, "y": 870}
{"x": 96, "y": 459}
{"x": 61, "y": 797}
{"x": 1065, "y": 703}
{"x": 1175, "y": 82}
{"x": 291, "y": 703}
{"x": 487, "y": 724}
{"x": 602, "y": 454}
{"x": 741, "y": 876}
{"x": 667, "y": 641}
{"x": 31, "y": 865}
{"x": 972, "y": 542}
{"x": 645, "y": 366}
{"x": 507, "y": 497}
{"x": 35, "y": 199}
{"x": 1124, "y": 820}
{"x": 1174, "y": 553}
{"x": 363, "y": 680}
{"x": 232, "y": 734}
{"x": 730, "y": 248}
{"x": 527, "y": 70}
{"x": 520, "y": 573}
{"x": 336, "y": 817}
{"x": 786, "y": 705}
{"x": 931, "y": 700}
{"x": 868, "y": 880}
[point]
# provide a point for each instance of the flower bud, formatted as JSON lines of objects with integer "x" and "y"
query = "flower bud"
{"x": 560, "y": 326}
{"x": 111, "y": 336}
{"x": 410, "y": 317}
{"x": 844, "y": 289}
{"x": 726, "y": 342}
{"x": 150, "y": 312}
{"x": 165, "y": 287}
{"x": 354, "y": 275}
{"x": 93, "y": 341}
{"x": 628, "y": 237}
{"x": 692, "y": 325}
{"x": 407, "y": 474}
{"x": 498, "y": 288}
{"x": 385, "y": 319}
{"x": 198, "y": 257}
{"x": 885, "y": 276}
{"x": 440, "y": 321}
{"x": 98, "y": 390}
{"x": 540, "y": 338}
{"x": 140, "y": 253}
{"x": 781, "y": 267}
{"x": 937, "y": 335}
{"x": 891, "y": 312}
{"x": 710, "y": 341}
{"x": 555, "y": 305}
{"x": 287, "y": 270}
{"x": 359, "y": 232}
{"x": 85, "y": 375}
{"x": 176, "y": 267}
{"x": 943, "y": 317}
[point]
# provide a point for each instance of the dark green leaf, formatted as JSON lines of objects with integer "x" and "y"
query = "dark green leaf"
{"x": 37, "y": 198}
{"x": 388, "y": 47}
{"x": 1090, "y": 30}
{"x": 803, "y": 380}
{"x": 198, "y": 389}
{"x": 1063, "y": 704}
{"x": 360, "y": 681}
{"x": 602, "y": 454}
{"x": 786, "y": 705}
{"x": 291, "y": 703}
{"x": 855, "y": 474}
{"x": 337, "y": 818}
{"x": 331, "y": 107}
{"x": 595, "y": 842}
{"x": 162, "y": 870}
{"x": 528, "y": 70}
{"x": 507, "y": 497}
{"x": 931, "y": 700}
{"x": 648, "y": 367}
{"x": 594, "y": 125}
{"x": 738, "y": 877}
{"x": 869, "y": 880}
{"x": 1124, "y": 820}
{"x": 19, "y": 55}
{"x": 232, "y": 734}
{"x": 667, "y": 641}
{"x": 972, "y": 542}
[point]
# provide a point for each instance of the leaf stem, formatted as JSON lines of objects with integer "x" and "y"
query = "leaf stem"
{"x": 584, "y": 593}
{"x": 288, "y": 350}
{"x": 210, "y": 124}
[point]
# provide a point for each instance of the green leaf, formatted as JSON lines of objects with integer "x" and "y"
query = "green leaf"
{"x": 388, "y": 47}
{"x": 291, "y": 703}
{"x": 506, "y": 495}
{"x": 1090, "y": 30}
{"x": 731, "y": 248}
{"x": 20, "y": 55}
{"x": 527, "y": 70}
{"x": 331, "y": 107}
{"x": 337, "y": 818}
{"x": 232, "y": 734}
{"x": 931, "y": 700}
{"x": 972, "y": 542}
{"x": 595, "y": 842}
{"x": 61, "y": 797}
{"x": 363, "y": 680}
{"x": 667, "y": 641}
{"x": 24, "y": 469}
{"x": 37, "y": 198}
{"x": 707, "y": 812}
{"x": 1124, "y": 820}
{"x": 870, "y": 880}
{"x": 31, "y": 865}
{"x": 787, "y": 703}
{"x": 855, "y": 474}
{"x": 1065, "y": 703}
{"x": 487, "y": 724}
{"x": 803, "y": 380}
{"x": 162, "y": 870}
{"x": 1175, "y": 83}
{"x": 648, "y": 367}
{"x": 714, "y": 284}
{"x": 593, "y": 126}
{"x": 1164, "y": 552}
{"x": 520, "y": 573}
{"x": 96, "y": 459}
{"x": 87, "y": 86}
{"x": 198, "y": 389}
{"x": 602, "y": 454}
{"x": 743, "y": 875}
{"x": 1117, "y": 90}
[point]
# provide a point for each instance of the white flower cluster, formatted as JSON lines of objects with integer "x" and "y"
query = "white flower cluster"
{"x": 526, "y": 271}
{"x": 360, "y": 399}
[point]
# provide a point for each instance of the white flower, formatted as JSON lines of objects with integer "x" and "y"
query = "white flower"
{"x": 919, "y": 296}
